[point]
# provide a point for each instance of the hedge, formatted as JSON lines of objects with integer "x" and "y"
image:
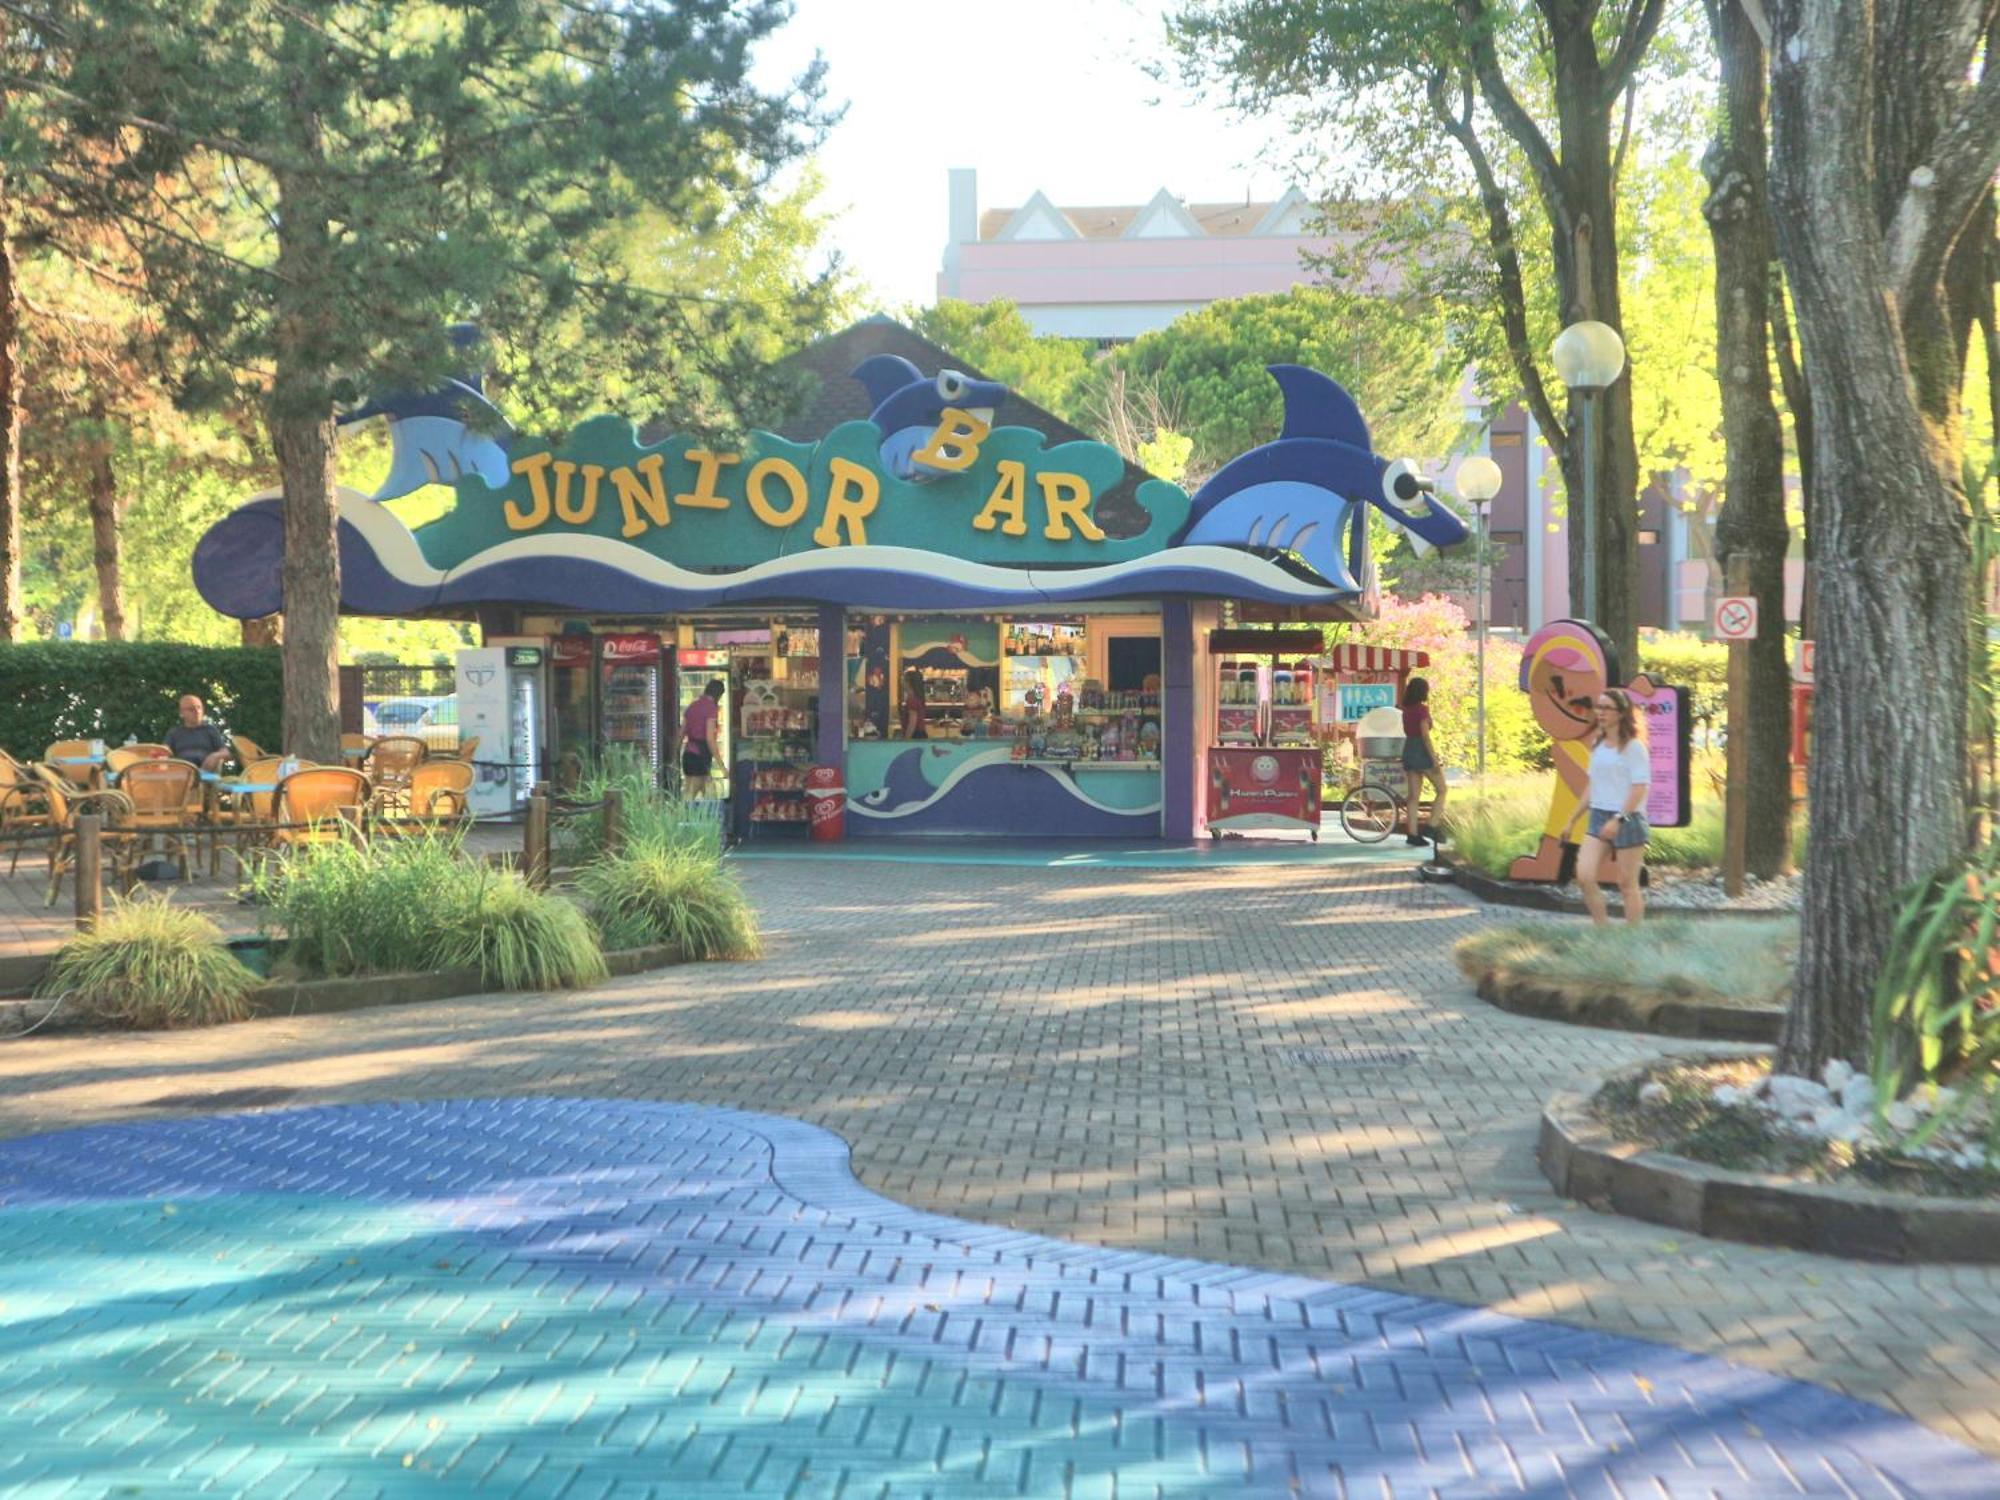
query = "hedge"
{"x": 1702, "y": 667}
{"x": 72, "y": 690}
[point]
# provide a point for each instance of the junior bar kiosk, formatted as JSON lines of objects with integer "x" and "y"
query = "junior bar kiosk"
{"x": 978, "y": 631}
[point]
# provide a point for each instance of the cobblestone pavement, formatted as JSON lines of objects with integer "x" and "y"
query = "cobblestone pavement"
{"x": 550, "y": 1297}
{"x": 1277, "y": 1069}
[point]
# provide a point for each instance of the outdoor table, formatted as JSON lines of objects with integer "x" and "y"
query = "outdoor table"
{"x": 76, "y": 760}
{"x": 360, "y": 754}
{"x": 219, "y": 785}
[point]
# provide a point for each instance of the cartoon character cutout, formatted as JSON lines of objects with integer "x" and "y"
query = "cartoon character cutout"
{"x": 1565, "y": 665}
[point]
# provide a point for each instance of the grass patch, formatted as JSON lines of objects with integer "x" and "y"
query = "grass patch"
{"x": 1493, "y": 825}
{"x": 658, "y": 892}
{"x": 419, "y": 904}
{"x": 150, "y": 964}
{"x": 1722, "y": 960}
{"x": 650, "y": 815}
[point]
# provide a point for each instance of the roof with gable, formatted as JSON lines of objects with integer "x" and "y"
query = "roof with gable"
{"x": 1110, "y": 222}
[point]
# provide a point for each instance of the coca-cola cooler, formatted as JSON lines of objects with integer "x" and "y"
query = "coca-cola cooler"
{"x": 634, "y": 679}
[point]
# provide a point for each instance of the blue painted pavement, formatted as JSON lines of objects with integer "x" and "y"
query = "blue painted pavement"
{"x": 572, "y": 1298}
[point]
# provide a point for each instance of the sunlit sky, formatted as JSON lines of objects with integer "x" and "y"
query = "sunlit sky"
{"x": 1046, "y": 94}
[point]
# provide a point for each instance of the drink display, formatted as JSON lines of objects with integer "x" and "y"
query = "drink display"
{"x": 1292, "y": 706}
{"x": 629, "y": 692}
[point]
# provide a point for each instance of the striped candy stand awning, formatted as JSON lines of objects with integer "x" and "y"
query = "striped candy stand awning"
{"x": 1375, "y": 659}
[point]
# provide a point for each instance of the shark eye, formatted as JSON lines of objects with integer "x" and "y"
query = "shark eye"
{"x": 1402, "y": 484}
{"x": 951, "y": 385}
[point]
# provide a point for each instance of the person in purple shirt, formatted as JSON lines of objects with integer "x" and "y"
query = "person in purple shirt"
{"x": 698, "y": 726}
{"x": 196, "y": 739}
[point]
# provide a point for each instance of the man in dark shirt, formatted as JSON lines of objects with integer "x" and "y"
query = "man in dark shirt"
{"x": 196, "y": 740}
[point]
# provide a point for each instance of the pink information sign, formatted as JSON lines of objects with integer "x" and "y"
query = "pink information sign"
{"x": 1665, "y": 716}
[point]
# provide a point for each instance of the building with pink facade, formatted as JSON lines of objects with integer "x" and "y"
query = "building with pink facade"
{"x": 1110, "y": 273}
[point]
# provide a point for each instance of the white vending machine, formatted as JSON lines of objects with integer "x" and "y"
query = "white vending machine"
{"x": 501, "y": 699}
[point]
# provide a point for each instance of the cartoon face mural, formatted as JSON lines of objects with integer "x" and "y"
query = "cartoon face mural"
{"x": 1304, "y": 492}
{"x": 910, "y": 408}
{"x": 1564, "y": 666}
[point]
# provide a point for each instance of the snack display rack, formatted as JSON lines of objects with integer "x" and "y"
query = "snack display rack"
{"x": 779, "y": 727}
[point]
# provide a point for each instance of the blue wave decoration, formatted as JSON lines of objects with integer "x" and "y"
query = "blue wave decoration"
{"x": 1029, "y": 800}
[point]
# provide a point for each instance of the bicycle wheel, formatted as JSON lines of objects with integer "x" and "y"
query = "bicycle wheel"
{"x": 1368, "y": 813}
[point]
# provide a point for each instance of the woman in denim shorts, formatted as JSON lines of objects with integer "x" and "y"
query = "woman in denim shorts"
{"x": 1621, "y": 772}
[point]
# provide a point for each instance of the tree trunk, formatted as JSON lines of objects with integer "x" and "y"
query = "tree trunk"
{"x": 269, "y": 630}
{"x": 1586, "y": 263}
{"x": 10, "y": 431}
{"x": 1890, "y": 549}
{"x": 301, "y": 423}
{"x": 1753, "y": 515}
{"x": 106, "y": 522}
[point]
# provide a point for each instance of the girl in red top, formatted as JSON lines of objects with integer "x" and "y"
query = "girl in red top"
{"x": 1420, "y": 762}
{"x": 916, "y": 714}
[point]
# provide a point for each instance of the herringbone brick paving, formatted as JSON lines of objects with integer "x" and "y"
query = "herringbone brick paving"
{"x": 1269, "y": 1068}
{"x": 542, "y": 1297}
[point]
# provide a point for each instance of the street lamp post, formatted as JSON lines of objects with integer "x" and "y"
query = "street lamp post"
{"x": 1589, "y": 356}
{"x": 1478, "y": 483}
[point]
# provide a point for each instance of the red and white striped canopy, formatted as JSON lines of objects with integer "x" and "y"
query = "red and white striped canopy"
{"x": 1375, "y": 659}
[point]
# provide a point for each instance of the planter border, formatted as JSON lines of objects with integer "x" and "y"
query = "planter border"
{"x": 1537, "y": 897}
{"x": 1584, "y": 1161}
{"x": 314, "y": 997}
{"x": 1616, "y": 1009}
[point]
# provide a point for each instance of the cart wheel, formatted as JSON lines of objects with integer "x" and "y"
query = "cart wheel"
{"x": 1368, "y": 813}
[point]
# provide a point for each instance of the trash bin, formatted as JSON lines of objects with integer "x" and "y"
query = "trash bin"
{"x": 826, "y": 804}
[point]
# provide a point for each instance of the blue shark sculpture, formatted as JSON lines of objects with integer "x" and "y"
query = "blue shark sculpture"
{"x": 1302, "y": 492}
{"x": 431, "y": 439}
{"x": 909, "y": 405}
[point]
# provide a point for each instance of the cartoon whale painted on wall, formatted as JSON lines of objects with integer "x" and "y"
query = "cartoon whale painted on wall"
{"x": 1304, "y": 491}
{"x": 909, "y": 405}
{"x": 990, "y": 794}
{"x": 437, "y": 436}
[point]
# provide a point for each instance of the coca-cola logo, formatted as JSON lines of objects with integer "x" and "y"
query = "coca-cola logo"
{"x": 630, "y": 648}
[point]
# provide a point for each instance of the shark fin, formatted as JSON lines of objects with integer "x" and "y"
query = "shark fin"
{"x": 1316, "y": 407}
{"x": 438, "y": 450}
{"x": 882, "y": 375}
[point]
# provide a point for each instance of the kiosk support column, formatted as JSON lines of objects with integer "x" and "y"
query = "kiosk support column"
{"x": 1177, "y": 757}
{"x": 832, "y": 737}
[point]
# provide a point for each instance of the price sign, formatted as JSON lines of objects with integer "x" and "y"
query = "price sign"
{"x": 1735, "y": 619}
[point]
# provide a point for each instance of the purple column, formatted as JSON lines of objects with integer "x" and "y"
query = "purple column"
{"x": 831, "y": 742}
{"x": 1177, "y": 758}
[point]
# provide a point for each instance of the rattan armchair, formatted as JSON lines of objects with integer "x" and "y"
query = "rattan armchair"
{"x": 164, "y": 797}
{"x": 440, "y": 791}
{"x": 118, "y": 760}
{"x": 73, "y": 750}
{"x": 65, "y": 803}
{"x": 243, "y": 819}
{"x": 24, "y": 809}
{"x": 391, "y": 760}
{"x": 315, "y": 797}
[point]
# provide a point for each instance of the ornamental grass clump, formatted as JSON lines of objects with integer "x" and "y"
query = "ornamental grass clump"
{"x": 654, "y": 892}
{"x": 1722, "y": 960}
{"x": 420, "y": 904}
{"x": 518, "y": 938}
{"x": 650, "y": 815}
{"x": 150, "y": 964}
{"x": 1936, "y": 1032}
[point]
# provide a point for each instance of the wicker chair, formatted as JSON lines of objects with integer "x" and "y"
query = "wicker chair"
{"x": 75, "y": 775}
{"x": 64, "y": 803}
{"x": 354, "y": 748}
{"x": 164, "y": 797}
{"x": 315, "y": 796}
{"x": 391, "y": 760}
{"x": 441, "y": 791}
{"x": 116, "y": 761}
{"x": 24, "y": 808}
{"x": 247, "y": 749}
{"x": 465, "y": 748}
{"x": 244, "y": 819}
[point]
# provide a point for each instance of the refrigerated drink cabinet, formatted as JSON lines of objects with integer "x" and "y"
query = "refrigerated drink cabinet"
{"x": 632, "y": 682}
{"x": 503, "y": 699}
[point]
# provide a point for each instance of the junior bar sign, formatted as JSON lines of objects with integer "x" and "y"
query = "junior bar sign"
{"x": 923, "y": 506}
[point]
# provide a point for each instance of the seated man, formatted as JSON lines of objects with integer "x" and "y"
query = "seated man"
{"x": 195, "y": 739}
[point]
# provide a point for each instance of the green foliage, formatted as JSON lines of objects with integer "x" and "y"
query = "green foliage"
{"x": 150, "y": 964}
{"x": 653, "y": 892}
{"x": 1728, "y": 960}
{"x": 1206, "y": 369}
{"x": 418, "y": 904}
{"x": 1702, "y": 667}
{"x": 650, "y": 814}
{"x": 1936, "y": 1017}
{"x": 996, "y": 340}
{"x": 1438, "y": 626}
{"x": 1495, "y": 824}
{"x": 518, "y": 938}
{"x": 107, "y": 690}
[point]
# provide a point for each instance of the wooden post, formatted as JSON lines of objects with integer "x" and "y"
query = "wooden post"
{"x": 1735, "y": 807}
{"x": 89, "y": 870}
{"x": 614, "y": 819}
{"x": 535, "y": 840}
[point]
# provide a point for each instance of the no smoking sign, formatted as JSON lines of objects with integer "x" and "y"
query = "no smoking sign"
{"x": 1735, "y": 619}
